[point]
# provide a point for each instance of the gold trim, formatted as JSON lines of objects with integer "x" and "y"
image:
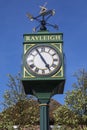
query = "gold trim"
{"x": 60, "y": 70}
{"x": 25, "y": 47}
{"x": 56, "y": 45}
{"x": 30, "y": 76}
{"x": 43, "y": 104}
{"x": 59, "y": 48}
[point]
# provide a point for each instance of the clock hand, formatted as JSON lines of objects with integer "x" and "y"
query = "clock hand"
{"x": 47, "y": 65}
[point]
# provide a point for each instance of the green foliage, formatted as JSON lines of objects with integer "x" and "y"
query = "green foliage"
{"x": 20, "y": 111}
{"x": 24, "y": 113}
{"x": 15, "y": 92}
{"x": 15, "y": 102}
{"x": 74, "y": 112}
{"x": 65, "y": 116}
{"x": 76, "y": 100}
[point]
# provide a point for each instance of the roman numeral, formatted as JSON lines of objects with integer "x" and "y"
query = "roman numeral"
{"x": 55, "y": 59}
{"x": 36, "y": 70}
{"x": 43, "y": 71}
{"x": 32, "y": 66}
{"x": 53, "y": 65}
{"x": 43, "y": 49}
{"x": 49, "y": 50}
{"x": 54, "y": 54}
{"x": 32, "y": 54}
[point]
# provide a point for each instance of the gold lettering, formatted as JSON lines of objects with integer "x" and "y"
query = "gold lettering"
{"x": 40, "y": 38}
{"x": 33, "y": 38}
{"x": 36, "y": 37}
{"x": 58, "y": 37}
{"x": 27, "y": 38}
{"x": 43, "y": 38}
{"x": 52, "y": 37}
{"x": 48, "y": 38}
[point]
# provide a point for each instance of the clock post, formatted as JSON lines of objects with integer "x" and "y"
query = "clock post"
{"x": 43, "y": 69}
{"x": 43, "y": 65}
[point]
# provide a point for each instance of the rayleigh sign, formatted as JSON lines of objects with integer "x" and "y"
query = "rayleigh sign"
{"x": 43, "y": 38}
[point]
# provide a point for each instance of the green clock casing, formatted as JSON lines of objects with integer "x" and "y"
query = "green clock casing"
{"x": 43, "y": 56}
{"x": 43, "y": 63}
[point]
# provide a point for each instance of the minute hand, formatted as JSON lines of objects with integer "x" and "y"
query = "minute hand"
{"x": 47, "y": 65}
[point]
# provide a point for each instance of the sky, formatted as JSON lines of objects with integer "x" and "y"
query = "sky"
{"x": 70, "y": 16}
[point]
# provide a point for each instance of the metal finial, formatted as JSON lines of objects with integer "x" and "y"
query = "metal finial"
{"x": 42, "y": 18}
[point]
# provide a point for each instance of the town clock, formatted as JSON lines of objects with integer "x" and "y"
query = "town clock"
{"x": 43, "y": 56}
{"x": 43, "y": 61}
{"x": 43, "y": 64}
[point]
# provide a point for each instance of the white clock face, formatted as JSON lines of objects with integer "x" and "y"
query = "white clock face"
{"x": 43, "y": 60}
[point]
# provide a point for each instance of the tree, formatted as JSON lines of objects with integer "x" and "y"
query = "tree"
{"x": 21, "y": 109}
{"x": 15, "y": 92}
{"x": 74, "y": 112}
{"x": 76, "y": 100}
{"x": 64, "y": 116}
{"x": 14, "y": 101}
{"x": 25, "y": 114}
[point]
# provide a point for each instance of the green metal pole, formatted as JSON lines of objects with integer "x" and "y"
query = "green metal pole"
{"x": 44, "y": 116}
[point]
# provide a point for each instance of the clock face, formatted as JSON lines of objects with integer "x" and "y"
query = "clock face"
{"x": 43, "y": 60}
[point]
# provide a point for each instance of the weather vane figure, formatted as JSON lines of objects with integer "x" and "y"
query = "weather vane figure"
{"x": 43, "y": 8}
{"x": 42, "y": 18}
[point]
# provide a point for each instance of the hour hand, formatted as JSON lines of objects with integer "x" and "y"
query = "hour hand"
{"x": 47, "y": 65}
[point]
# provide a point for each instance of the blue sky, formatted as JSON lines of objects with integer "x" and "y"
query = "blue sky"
{"x": 71, "y": 17}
